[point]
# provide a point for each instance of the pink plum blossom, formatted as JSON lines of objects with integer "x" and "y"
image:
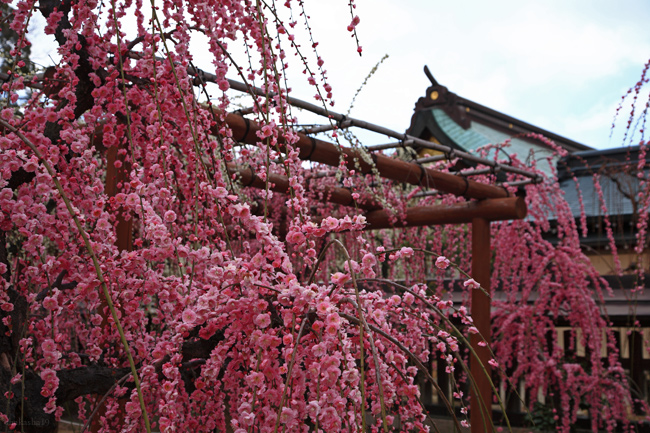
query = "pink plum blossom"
{"x": 442, "y": 262}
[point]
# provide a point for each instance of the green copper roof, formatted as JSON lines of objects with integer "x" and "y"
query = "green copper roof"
{"x": 467, "y": 139}
{"x": 478, "y": 135}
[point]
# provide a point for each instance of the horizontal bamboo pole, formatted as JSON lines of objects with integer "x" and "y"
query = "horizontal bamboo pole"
{"x": 349, "y": 121}
{"x": 392, "y": 145}
{"x": 245, "y": 130}
{"x": 325, "y": 128}
{"x": 498, "y": 209}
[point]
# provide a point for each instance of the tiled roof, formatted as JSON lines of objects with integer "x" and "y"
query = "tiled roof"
{"x": 463, "y": 124}
{"x": 615, "y": 170}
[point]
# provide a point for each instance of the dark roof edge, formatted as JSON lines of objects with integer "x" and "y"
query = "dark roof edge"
{"x": 461, "y": 110}
{"x": 558, "y": 139}
{"x": 608, "y": 152}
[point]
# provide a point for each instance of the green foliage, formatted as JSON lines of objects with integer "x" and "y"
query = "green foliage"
{"x": 542, "y": 418}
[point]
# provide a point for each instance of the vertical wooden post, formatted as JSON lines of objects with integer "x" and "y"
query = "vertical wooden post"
{"x": 481, "y": 401}
{"x": 124, "y": 241}
{"x": 114, "y": 177}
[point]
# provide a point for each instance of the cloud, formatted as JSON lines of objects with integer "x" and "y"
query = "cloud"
{"x": 558, "y": 64}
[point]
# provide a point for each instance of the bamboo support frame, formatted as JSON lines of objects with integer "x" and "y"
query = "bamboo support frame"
{"x": 499, "y": 209}
{"x": 478, "y": 171}
{"x": 517, "y": 183}
{"x": 389, "y": 145}
{"x": 429, "y": 193}
{"x": 312, "y": 149}
{"x": 325, "y": 128}
{"x": 339, "y": 118}
{"x": 434, "y": 158}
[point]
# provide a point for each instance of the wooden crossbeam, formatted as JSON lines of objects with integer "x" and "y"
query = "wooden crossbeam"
{"x": 495, "y": 209}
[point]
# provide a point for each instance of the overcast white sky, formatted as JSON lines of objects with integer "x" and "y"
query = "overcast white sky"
{"x": 560, "y": 65}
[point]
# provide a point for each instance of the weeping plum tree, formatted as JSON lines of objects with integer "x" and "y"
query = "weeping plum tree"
{"x": 135, "y": 267}
{"x": 144, "y": 284}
